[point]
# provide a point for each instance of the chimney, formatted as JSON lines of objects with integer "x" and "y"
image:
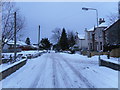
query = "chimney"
{"x": 101, "y": 20}
{"x": 85, "y": 29}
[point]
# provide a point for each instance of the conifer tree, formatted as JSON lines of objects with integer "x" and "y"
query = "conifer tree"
{"x": 63, "y": 43}
{"x": 45, "y": 43}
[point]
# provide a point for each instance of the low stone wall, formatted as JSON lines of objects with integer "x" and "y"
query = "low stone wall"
{"x": 12, "y": 69}
{"x": 109, "y": 64}
{"x": 115, "y": 52}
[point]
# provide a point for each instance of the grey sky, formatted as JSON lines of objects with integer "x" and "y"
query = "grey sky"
{"x": 61, "y": 14}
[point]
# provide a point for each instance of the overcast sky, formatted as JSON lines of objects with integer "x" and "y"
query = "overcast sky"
{"x": 69, "y": 15}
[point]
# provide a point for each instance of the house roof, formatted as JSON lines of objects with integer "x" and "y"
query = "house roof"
{"x": 112, "y": 24}
{"x": 81, "y": 36}
{"x": 92, "y": 29}
{"x": 21, "y": 43}
{"x": 103, "y": 25}
{"x": 34, "y": 46}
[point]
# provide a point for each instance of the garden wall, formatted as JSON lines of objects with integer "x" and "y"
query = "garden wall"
{"x": 115, "y": 52}
{"x": 109, "y": 64}
{"x": 12, "y": 69}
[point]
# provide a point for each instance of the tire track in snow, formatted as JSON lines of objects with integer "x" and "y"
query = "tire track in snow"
{"x": 81, "y": 77}
{"x": 65, "y": 77}
{"x": 40, "y": 72}
{"x": 55, "y": 76}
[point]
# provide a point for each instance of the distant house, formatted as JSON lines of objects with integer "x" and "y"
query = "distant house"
{"x": 20, "y": 45}
{"x": 9, "y": 47}
{"x": 81, "y": 41}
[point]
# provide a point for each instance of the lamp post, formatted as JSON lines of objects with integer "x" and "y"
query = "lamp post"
{"x": 86, "y": 9}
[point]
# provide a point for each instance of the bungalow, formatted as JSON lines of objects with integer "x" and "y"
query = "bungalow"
{"x": 9, "y": 47}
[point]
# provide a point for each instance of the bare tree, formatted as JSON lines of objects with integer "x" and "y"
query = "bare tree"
{"x": 56, "y": 35}
{"x": 112, "y": 18}
{"x": 8, "y": 9}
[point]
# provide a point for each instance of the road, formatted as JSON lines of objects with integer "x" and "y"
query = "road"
{"x": 56, "y": 70}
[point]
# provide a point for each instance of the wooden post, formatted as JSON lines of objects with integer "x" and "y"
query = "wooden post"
{"x": 15, "y": 51}
{"x": 38, "y": 37}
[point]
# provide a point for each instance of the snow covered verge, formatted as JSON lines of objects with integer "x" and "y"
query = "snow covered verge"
{"x": 112, "y": 59}
{"x": 62, "y": 70}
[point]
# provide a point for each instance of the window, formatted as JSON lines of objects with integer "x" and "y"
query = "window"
{"x": 100, "y": 45}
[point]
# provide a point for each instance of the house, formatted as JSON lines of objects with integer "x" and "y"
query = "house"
{"x": 96, "y": 36}
{"x": 90, "y": 38}
{"x": 99, "y": 38}
{"x": 112, "y": 36}
{"x": 20, "y": 45}
{"x": 9, "y": 47}
{"x": 112, "y": 33}
{"x": 81, "y": 41}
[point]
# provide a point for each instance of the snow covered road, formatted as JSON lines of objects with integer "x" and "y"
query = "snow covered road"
{"x": 61, "y": 70}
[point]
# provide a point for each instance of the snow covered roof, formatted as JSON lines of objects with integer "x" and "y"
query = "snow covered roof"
{"x": 92, "y": 29}
{"x": 34, "y": 46}
{"x": 21, "y": 43}
{"x": 112, "y": 24}
{"x": 103, "y": 25}
{"x": 81, "y": 36}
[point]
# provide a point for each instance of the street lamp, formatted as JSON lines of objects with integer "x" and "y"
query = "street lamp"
{"x": 86, "y": 9}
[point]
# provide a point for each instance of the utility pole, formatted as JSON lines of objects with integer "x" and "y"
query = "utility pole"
{"x": 38, "y": 37}
{"x": 15, "y": 51}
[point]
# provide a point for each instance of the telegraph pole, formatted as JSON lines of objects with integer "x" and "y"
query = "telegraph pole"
{"x": 15, "y": 51}
{"x": 38, "y": 37}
